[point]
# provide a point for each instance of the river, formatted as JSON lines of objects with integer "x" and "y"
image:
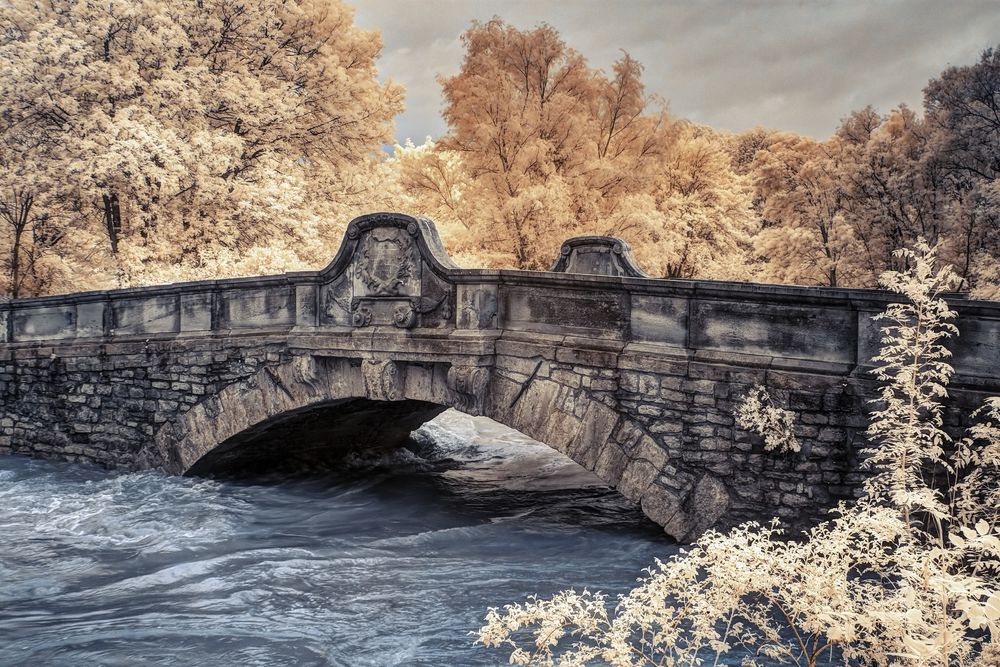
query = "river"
{"x": 386, "y": 561}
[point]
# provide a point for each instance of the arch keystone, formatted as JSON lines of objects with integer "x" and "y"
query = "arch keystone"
{"x": 383, "y": 380}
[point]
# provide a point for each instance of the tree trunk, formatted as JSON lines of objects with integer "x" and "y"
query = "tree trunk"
{"x": 15, "y": 263}
{"x": 17, "y": 213}
{"x": 112, "y": 219}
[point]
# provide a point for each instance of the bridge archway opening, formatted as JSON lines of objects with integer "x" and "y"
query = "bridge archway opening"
{"x": 315, "y": 437}
{"x": 457, "y": 465}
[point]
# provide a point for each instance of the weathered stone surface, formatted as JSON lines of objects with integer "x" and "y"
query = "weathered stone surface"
{"x": 598, "y": 255}
{"x": 634, "y": 378}
{"x": 660, "y": 319}
{"x": 709, "y": 502}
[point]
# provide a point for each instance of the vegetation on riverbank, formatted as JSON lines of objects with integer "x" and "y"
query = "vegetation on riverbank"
{"x": 906, "y": 575}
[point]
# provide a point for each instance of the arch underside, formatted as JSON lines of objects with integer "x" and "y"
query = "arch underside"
{"x": 316, "y": 437}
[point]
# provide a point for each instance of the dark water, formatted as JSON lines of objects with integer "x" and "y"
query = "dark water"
{"x": 386, "y": 562}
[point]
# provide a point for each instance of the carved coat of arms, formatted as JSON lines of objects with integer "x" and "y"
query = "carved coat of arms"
{"x": 386, "y": 282}
{"x": 386, "y": 262}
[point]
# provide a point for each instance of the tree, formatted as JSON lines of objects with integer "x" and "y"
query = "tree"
{"x": 805, "y": 238}
{"x": 433, "y": 182}
{"x": 511, "y": 113}
{"x": 892, "y": 193}
{"x": 900, "y": 183}
{"x": 833, "y": 211}
{"x": 964, "y": 101}
{"x": 963, "y": 106}
{"x": 34, "y": 239}
{"x": 158, "y": 131}
{"x": 702, "y": 218}
{"x": 546, "y": 147}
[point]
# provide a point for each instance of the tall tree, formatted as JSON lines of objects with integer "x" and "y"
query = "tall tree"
{"x": 546, "y": 147}
{"x": 963, "y": 107}
{"x": 835, "y": 211}
{"x": 805, "y": 238}
{"x": 699, "y": 218}
{"x": 511, "y": 112}
{"x": 174, "y": 129}
{"x": 433, "y": 181}
{"x": 965, "y": 102}
{"x": 891, "y": 185}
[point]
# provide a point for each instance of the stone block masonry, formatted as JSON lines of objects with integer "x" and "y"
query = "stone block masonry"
{"x": 634, "y": 378}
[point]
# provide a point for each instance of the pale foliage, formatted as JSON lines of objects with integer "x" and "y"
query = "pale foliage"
{"x": 511, "y": 112}
{"x": 987, "y": 271}
{"x": 149, "y": 141}
{"x": 432, "y": 182}
{"x": 834, "y": 211}
{"x": 756, "y": 413}
{"x": 806, "y": 238}
{"x": 702, "y": 221}
{"x": 151, "y": 133}
{"x": 913, "y": 372}
{"x": 542, "y": 147}
{"x": 875, "y": 585}
{"x": 976, "y": 494}
{"x": 963, "y": 105}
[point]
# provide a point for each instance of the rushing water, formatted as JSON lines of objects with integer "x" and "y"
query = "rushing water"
{"x": 387, "y": 562}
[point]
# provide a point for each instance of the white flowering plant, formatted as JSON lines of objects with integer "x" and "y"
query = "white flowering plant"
{"x": 756, "y": 413}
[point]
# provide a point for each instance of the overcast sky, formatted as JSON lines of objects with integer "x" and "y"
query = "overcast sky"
{"x": 733, "y": 65}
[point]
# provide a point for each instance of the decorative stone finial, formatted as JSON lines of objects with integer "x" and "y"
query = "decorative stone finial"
{"x": 598, "y": 255}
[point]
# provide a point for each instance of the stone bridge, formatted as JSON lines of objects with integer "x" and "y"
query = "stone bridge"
{"x": 632, "y": 377}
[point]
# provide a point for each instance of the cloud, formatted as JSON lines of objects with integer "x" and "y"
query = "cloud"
{"x": 799, "y": 66}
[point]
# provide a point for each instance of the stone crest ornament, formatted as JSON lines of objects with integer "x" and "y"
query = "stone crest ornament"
{"x": 362, "y": 316}
{"x": 386, "y": 262}
{"x": 404, "y": 316}
{"x": 391, "y": 271}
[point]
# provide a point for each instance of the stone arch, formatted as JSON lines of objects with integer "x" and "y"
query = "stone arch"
{"x": 404, "y": 394}
{"x": 595, "y": 433}
{"x": 303, "y": 385}
{"x": 567, "y": 421}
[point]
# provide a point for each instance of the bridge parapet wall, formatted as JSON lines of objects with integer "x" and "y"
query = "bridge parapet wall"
{"x": 800, "y": 328}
